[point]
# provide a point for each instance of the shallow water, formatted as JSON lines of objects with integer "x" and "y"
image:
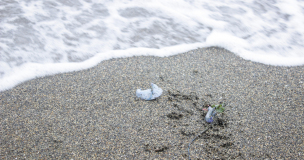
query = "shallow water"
{"x": 47, "y": 37}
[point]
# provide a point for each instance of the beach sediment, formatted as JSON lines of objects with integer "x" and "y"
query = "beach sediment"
{"x": 94, "y": 113}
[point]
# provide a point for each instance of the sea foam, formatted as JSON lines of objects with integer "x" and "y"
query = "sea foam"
{"x": 41, "y": 38}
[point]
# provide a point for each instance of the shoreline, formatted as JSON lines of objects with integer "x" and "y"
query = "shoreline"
{"x": 94, "y": 113}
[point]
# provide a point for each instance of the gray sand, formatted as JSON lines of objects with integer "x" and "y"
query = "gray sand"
{"x": 95, "y": 114}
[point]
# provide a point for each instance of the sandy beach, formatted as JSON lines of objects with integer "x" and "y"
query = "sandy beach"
{"x": 95, "y": 114}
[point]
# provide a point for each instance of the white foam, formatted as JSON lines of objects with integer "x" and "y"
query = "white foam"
{"x": 41, "y": 38}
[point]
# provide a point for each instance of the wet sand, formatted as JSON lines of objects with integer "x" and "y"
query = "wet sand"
{"x": 94, "y": 113}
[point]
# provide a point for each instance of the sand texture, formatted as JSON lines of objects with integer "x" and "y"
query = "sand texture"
{"x": 94, "y": 113}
